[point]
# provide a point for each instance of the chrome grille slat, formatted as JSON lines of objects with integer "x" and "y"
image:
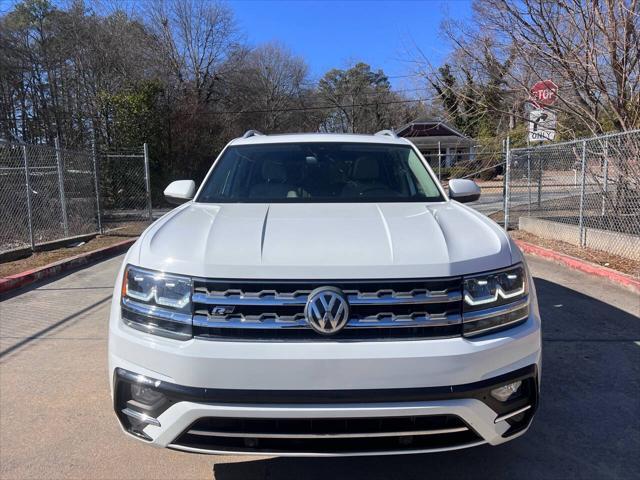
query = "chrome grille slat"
{"x": 268, "y": 321}
{"x": 401, "y": 433}
{"x": 254, "y": 321}
{"x": 398, "y": 321}
{"x": 355, "y": 298}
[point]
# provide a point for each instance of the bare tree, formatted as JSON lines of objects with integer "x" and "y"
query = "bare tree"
{"x": 590, "y": 48}
{"x": 274, "y": 84}
{"x": 198, "y": 40}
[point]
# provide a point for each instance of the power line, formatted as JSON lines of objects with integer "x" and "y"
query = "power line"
{"x": 406, "y": 76}
{"x": 403, "y": 90}
{"x": 317, "y": 107}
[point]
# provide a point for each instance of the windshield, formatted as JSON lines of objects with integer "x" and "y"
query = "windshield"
{"x": 319, "y": 172}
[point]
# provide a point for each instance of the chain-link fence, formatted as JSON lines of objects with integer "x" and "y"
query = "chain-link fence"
{"x": 51, "y": 193}
{"x": 125, "y": 195}
{"x": 486, "y": 168}
{"x": 584, "y": 192}
{"x": 483, "y": 165}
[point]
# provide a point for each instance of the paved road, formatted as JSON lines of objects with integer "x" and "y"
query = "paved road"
{"x": 56, "y": 420}
{"x": 492, "y": 201}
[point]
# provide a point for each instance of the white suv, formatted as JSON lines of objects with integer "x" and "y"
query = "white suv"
{"x": 322, "y": 295}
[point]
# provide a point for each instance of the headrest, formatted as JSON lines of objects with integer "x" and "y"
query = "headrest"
{"x": 273, "y": 171}
{"x": 366, "y": 168}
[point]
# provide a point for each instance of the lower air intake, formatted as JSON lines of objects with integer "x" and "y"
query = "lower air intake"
{"x": 335, "y": 436}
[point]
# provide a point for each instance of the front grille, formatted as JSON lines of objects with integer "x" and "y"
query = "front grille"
{"x": 327, "y": 435}
{"x": 274, "y": 310}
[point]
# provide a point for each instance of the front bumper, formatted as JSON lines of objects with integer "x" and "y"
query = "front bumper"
{"x": 402, "y": 396}
{"x": 322, "y": 423}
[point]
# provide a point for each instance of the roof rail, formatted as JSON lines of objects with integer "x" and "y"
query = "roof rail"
{"x": 387, "y": 133}
{"x": 252, "y": 133}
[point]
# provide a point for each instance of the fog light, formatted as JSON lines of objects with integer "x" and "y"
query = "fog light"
{"x": 146, "y": 395}
{"x": 505, "y": 392}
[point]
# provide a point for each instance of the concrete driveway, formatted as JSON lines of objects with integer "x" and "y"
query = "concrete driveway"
{"x": 492, "y": 200}
{"x": 56, "y": 419}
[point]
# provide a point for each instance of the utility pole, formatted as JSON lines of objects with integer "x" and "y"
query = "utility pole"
{"x": 507, "y": 172}
{"x": 439, "y": 161}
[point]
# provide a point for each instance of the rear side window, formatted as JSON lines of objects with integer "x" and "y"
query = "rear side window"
{"x": 319, "y": 172}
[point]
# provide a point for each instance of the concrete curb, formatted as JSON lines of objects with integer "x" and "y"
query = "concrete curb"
{"x": 22, "y": 279}
{"x": 577, "y": 264}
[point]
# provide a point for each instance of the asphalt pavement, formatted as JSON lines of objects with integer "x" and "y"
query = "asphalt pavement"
{"x": 56, "y": 419}
{"x": 492, "y": 200}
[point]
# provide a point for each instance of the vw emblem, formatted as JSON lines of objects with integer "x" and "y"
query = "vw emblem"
{"x": 327, "y": 310}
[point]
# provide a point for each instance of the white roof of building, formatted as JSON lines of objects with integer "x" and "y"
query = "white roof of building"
{"x": 318, "y": 137}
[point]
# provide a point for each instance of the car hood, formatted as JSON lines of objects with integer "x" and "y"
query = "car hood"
{"x": 323, "y": 241}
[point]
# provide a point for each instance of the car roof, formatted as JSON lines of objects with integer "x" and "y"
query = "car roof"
{"x": 319, "y": 137}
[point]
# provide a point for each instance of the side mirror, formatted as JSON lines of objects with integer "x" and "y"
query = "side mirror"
{"x": 463, "y": 190}
{"x": 180, "y": 191}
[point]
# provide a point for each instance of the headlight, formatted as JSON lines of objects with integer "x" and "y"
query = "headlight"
{"x": 157, "y": 303}
{"x": 495, "y": 300}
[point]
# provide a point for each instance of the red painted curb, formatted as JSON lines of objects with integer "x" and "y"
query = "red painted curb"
{"x": 30, "y": 276}
{"x": 582, "y": 265}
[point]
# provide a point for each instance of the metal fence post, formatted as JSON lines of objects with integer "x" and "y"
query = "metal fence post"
{"x": 96, "y": 176}
{"x": 529, "y": 180}
{"x": 25, "y": 157}
{"x": 582, "y": 182}
{"x": 63, "y": 199}
{"x": 540, "y": 175}
{"x": 507, "y": 172}
{"x": 605, "y": 180}
{"x": 439, "y": 161}
{"x": 147, "y": 180}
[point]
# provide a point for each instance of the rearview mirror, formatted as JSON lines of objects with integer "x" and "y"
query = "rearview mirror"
{"x": 463, "y": 190}
{"x": 180, "y": 191}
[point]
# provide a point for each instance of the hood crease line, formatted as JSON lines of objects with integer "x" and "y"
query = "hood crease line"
{"x": 207, "y": 239}
{"x": 441, "y": 231}
{"x": 387, "y": 231}
{"x": 264, "y": 231}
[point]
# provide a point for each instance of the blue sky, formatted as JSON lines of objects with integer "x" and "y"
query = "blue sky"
{"x": 330, "y": 34}
{"x": 334, "y": 34}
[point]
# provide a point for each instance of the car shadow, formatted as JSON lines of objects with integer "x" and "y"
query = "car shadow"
{"x": 587, "y": 426}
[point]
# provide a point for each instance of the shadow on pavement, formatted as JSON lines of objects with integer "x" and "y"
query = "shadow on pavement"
{"x": 22, "y": 341}
{"x": 42, "y": 284}
{"x": 587, "y": 426}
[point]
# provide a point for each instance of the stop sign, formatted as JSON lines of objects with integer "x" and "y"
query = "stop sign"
{"x": 544, "y": 93}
